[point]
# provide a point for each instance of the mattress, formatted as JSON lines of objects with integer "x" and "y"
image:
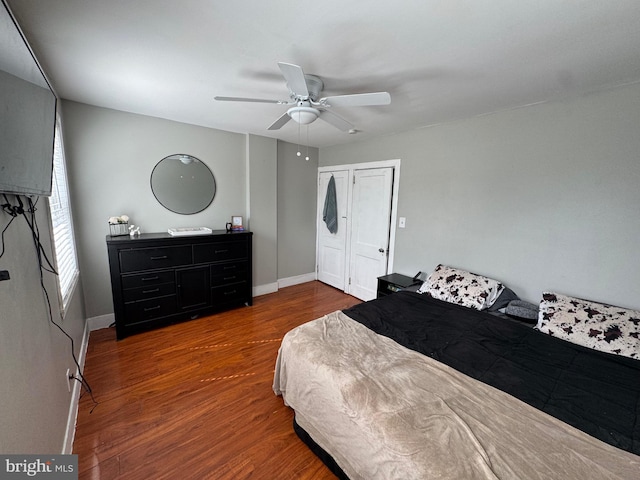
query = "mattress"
{"x": 410, "y": 387}
{"x": 597, "y": 392}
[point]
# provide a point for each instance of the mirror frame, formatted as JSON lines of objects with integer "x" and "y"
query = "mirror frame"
{"x": 168, "y": 200}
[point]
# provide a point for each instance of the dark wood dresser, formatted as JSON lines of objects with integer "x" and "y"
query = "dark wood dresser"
{"x": 158, "y": 279}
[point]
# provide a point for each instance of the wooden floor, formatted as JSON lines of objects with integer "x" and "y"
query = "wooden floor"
{"x": 194, "y": 400}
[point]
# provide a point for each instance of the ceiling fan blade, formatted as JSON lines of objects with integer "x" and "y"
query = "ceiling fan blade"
{"x": 335, "y": 120}
{"x": 358, "y": 99}
{"x": 280, "y": 122}
{"x": 243, "y": 99}
{"x": 294, "y": 76}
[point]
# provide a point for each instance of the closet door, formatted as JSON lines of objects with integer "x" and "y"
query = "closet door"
{"x": 331, "y": 248}
{"x": 370, "y": 229}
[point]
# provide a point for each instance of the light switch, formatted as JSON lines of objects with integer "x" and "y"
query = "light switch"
{"x": 402, "y": 222}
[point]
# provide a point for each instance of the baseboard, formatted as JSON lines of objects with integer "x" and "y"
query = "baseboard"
{"x": 94, "y": 323}
{"x": 70, "y": 433}
{"x": 102, "y": 321}
{"x": 296, "y": 280}
{"x": 282, "y": 283}
{"x": 265, "y": 289}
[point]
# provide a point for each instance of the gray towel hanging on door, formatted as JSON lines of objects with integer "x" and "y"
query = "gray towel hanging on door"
{"x": 330, "y": 212}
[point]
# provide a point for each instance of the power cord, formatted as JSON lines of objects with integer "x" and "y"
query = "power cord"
{"x": 85, "y": 385}
{"x": 13, "y": 212}
{"x": 29, "y": 216}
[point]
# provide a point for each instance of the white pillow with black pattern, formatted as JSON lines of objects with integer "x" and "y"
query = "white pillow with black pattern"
{"x": 461, "y": 287}
{"x": 595, "y": 325}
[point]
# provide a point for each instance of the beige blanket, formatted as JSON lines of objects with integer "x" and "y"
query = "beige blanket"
{"x": 385, "y": 412}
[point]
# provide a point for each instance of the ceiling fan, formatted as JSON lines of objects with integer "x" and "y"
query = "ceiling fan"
{"x": 306, "y": 103}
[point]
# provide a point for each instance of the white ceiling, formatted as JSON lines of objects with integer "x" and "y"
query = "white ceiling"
{"x": 441, "y": 60}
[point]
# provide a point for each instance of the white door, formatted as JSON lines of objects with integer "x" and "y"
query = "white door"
{"x": 370, "y": 228}
{"x": 331, "y": 251}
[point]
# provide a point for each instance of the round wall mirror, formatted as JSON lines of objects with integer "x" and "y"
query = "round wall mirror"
{"x": 183, "y": 184}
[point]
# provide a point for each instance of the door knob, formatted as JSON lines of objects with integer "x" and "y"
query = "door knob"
{"x": 381, "y": 250}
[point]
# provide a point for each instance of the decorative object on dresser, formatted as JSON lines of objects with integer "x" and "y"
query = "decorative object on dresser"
{"x": 236, "y": 223}
{"x": 394, "y": 282}
{"x": 158, "y": 279}
{"x": 186, "y": 231}
{"x": 119, "y": 225}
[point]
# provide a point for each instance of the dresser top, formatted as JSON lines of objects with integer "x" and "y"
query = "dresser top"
{"x": 166, "y": 236}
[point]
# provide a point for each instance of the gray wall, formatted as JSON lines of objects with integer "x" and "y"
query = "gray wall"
{"x": 111, "y": 155}
{"x": 297, "y": 186}
{"x": 34, "y": 354}
{"x": 544, "y": 197}
{"x": 262, "y": 176}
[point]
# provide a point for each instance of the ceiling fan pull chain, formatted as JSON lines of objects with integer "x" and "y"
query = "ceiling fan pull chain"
{"x": 307, "y": 157}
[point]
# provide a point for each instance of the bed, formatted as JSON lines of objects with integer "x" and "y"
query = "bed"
{"x": 414, "y": 386}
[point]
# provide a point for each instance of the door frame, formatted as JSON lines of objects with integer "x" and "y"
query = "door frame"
{"x": 395, "y": 165}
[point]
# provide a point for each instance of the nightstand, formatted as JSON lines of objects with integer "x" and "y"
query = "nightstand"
{"x": 394, "y": 282}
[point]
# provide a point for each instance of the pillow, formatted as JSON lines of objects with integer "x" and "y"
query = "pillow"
{"x": 595, "y": 325}
{"x": 504, "y": 298}
{"x": 525, "y": 311}
{"x": 461, "y": 287}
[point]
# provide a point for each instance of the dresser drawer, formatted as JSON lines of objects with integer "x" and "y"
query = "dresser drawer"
{"x": 220, "y": 251}
{"x": 223, "y": 273}
{"x": 151, "y": 258}
{"x": 228, "y": 278}
{"x": 149, "y": 309}
{"x": 148, "y": 291}
{"x": 147, "y": 279}
{"x": 229, "y": 293}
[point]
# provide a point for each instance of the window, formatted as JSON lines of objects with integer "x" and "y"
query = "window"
{"x": 61, "y": 224}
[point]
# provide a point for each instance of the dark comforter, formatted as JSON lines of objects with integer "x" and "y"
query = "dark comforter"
{"x": 595, "y": 392}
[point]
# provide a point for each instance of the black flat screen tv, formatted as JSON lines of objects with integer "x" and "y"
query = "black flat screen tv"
{"x": 27, "y": 115}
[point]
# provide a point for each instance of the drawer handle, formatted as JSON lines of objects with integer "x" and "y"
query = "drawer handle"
{"x": 151, "y": 291}
{"x": 230, "y": 267}
{"x": 163, "y": 257}
{"x": 149, "y": 279}
{"x": 230, "y": 278}
{"x": 231, "y": 292}
{"x": 149, "y": 309}
{"x": 221, "y": 251}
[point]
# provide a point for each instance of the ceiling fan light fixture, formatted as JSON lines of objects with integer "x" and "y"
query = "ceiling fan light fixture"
{"x": 307, "y": 104}
{"x": 303, "y": 115}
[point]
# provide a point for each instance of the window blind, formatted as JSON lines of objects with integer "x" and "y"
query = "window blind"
{"x": 61, "y": 222}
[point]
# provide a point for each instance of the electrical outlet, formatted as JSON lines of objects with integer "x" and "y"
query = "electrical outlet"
{"x": 69, "y": 377}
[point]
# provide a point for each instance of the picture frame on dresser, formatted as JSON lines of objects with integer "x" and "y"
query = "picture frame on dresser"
{"x": 158, "y": 279}
{"x": 236, "y": 223}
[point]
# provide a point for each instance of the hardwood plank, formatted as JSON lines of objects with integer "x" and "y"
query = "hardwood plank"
{"x": 194, "y": 400}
